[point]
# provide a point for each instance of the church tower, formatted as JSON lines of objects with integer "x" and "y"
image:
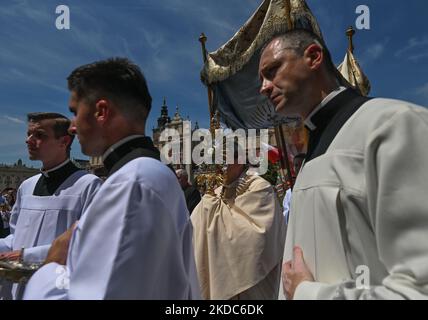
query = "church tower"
{"x": 164, "y": 118}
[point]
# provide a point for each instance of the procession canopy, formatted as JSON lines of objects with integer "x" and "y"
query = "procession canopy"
{"x": 232, "y": 70}
{"x": 351, "y": 70}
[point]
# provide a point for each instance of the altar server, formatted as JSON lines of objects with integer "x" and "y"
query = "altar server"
{"x": 48, "y": 203}
{"x": 135, "y": 239}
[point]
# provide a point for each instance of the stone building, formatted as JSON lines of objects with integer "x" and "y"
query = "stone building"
{"x": 163, "y": 122}
{"x": 176, "y": 123}
{"x": 11, "y": 176}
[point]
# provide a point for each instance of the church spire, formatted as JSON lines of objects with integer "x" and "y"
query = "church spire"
{"x": 164, "y": 118}
{"x": 177, "y": 116}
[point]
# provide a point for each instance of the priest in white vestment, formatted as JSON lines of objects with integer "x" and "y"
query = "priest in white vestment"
{"x": 358, "y": 227}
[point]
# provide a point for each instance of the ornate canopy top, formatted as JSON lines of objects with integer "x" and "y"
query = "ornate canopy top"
{"x": 272, "y": 17}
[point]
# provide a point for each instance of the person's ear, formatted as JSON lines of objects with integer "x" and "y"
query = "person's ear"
{"x": 102, "y": 111}
{"x": 66, "y": 140}
{"x": 314, "y": 56}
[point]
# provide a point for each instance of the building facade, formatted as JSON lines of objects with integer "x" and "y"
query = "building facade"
{"x": 11, "y": 176}
{"x": 164, "y": 121}
{"x": 176, "y": 123}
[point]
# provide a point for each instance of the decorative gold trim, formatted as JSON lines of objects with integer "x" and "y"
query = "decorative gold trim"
{"x": 17, "y": 271}
{"x": 269, "y": 19}
{"x": 288, "y": 14}
{"x": 351, "y": 71}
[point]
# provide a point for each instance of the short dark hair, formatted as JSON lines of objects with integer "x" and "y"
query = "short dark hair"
{"x": 299, "y": 39}
{"x": 60, "y": 126}
{"x": 117, "y": 79}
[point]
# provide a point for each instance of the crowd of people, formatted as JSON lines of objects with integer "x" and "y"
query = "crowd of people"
{"x": 7, "y": 200}
{"x": 145, "y": 232}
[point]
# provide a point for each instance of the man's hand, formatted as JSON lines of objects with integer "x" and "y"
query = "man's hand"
{"x": 295, "y": 272}
{"x": 59, "y": 249}
{"x": 11, "y": 256}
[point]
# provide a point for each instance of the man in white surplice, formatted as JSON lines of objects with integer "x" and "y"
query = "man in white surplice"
{"x": 135, "y": 239}
{"x": 358, "y": 227}
{"x": 47, "y": 204}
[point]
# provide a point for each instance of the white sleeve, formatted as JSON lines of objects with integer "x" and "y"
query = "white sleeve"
{"x": 397, "y": 184}
{"x": 36, "y": 254}
{"x": 90, "y": 190}
{"x": 128, "y": 242}
{"x": 6, "y": 244}
{"x": 50, "y": 282}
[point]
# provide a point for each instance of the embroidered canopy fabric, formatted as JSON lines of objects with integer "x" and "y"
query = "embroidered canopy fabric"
{"x": 352, "y": 72}
{"x": 232, "y": 70}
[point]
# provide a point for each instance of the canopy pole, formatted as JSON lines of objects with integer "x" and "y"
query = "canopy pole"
{"x": 350, "y": 33}
{"x": 203, "y": 40}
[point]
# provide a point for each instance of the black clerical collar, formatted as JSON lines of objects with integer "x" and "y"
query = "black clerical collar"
{"x": 55, "y": 169}
{"x": 121, "y": 142}
{"x": 311, "y": 119}
{"x": 128, "y": 149}
{"x": 329, "y": 119}
{"x": 51, "y": 179}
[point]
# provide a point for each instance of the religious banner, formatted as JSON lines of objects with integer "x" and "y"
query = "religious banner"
{"x": 232, "y": 70}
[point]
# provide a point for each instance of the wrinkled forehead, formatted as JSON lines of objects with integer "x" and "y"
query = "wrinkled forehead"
{"x": 273, "y": 51}
{"x": 276, "y": 46}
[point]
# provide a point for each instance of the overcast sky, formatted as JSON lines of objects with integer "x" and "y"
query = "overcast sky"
{"x": 162, "y": 37}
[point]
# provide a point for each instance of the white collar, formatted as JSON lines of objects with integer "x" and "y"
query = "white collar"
{"x": 46, "y": 172}
{"x": 253, "y": 171}
{"x": 327, "y": 99}
{"x": 119, "y": 143}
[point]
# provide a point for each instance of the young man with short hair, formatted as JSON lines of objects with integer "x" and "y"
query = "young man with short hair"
{"x": 49, "y": 203}
{"x": 135, "y": 240}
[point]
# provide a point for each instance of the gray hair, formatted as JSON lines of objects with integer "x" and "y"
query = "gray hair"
{"x": 299, "y": 40}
